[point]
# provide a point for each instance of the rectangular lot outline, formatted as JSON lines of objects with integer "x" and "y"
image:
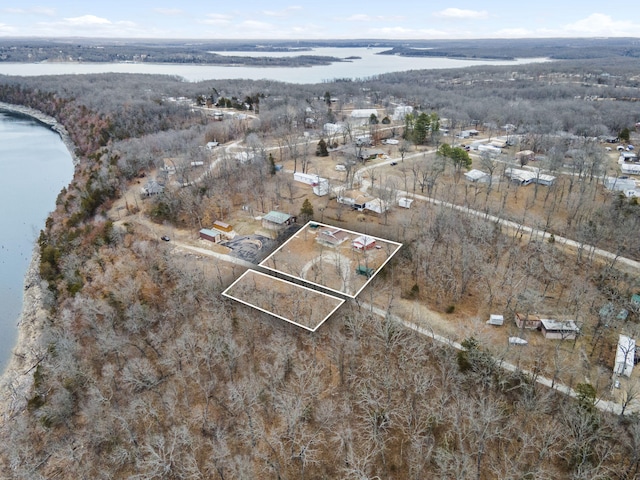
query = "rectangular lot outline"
{"x": 293, "y": 288}
{"x": 319, "y": 285}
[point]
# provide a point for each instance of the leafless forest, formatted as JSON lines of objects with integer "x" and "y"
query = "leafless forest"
{"x": 144, "y": 370}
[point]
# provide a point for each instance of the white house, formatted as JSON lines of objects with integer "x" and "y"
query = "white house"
{"x": 353, "y": 198}
{"x": 401, "y": 111}
{"x": 528, "y": 176}
{"x": 376, "y": 205}
{"x": 522, "y": 177}
{"x": 152, "y": 187}
{"x": 244, "y": 157}
{"x": 334, "y": 128}
{"x": 625, "y": 356}
{"x": 364, "y": 242}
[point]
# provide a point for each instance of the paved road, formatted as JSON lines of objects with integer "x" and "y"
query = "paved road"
{"x": 589, "y": 250}
{"x": 604, "y": 405}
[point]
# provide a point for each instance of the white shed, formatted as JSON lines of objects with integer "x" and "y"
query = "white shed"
{"x": 495, "y": 320}
{"x": 405, "y": 202}
{"x": 476, "y": 175}
{"x": 322, "y": 188}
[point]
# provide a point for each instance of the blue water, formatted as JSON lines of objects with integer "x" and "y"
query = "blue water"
{"x": 34, "y": 166}
{"x": 367, "y": 65}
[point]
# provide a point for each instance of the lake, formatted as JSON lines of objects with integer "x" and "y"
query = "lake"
{"x": 369, "y": 64}
{"x": 34, "y": 166}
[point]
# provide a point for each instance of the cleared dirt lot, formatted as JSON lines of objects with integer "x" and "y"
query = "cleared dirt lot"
{"x": 341, "y": 268}
{"x": 296, "y": 304}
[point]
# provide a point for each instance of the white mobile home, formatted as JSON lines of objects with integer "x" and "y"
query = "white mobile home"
{"x": 559, "y": 329}
{"x": 619, "y": 184}
{"x": 625, "y": 356}
{"x": 490, "y": 149}
{"x": 631, "y": 168}
{"x": 306, "y": 178}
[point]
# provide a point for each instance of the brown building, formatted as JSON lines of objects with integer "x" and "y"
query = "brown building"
{"x": 527, "y": 320}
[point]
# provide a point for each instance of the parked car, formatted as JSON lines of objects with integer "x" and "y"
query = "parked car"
{"x": 165, "y": 238}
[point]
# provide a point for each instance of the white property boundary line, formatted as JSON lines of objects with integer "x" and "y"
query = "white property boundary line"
{"x": 398, "y": 245}
{"x": 290, "y": 285}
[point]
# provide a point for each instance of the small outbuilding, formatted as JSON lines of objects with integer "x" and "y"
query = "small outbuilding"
{"x": 277, "y": 220}
{"x": 211, "y": 235}
{"x": 405, "y": 202}
{"x": 527, "y": 320}
{"x": 223, "y": 227}
{"x": 494, "y": 319}
{"x": 476, "y": 175}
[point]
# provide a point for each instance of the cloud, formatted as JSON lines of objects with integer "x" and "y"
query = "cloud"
{"x": 169, "y": 11}
{"x": 599, "y": 24}
{"x": 216, "y": 19}
{"x": 7, "y": 29}
{"x": 459, "y": 13}
{"x": 256, "y": 25}
{"x": 86, "y": 20}
{"x": 49, "y": 12}
{"x": 514, "y": 33}
{"x": 362, "y": 17}
{"x": 89, "y": 26}
{"x": 285, "y": 12}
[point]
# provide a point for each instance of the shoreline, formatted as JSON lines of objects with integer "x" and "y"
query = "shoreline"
{"x": 16, "y": 380}
{"x": 45, "y": 120}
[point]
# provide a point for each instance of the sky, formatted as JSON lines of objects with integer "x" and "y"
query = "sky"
{"x": 324, "y": 19}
